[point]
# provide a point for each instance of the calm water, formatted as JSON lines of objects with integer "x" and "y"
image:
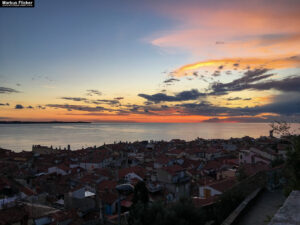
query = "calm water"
{"x": 19, "y": 137}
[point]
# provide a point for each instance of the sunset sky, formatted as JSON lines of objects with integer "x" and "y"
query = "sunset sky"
{"x": 151, "y": 61}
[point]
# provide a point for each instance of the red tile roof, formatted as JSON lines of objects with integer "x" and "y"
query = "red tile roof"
{"x": 223, "y": 185}
{"x": 173, "y": 169}
{"x": 140, "y": 171}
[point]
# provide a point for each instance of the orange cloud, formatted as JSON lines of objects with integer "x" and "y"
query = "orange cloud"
{"x": 234, "y": 29}
{"x": 286, "y": 62}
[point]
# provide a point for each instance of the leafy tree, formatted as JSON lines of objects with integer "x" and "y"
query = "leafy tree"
{"x": 241, "y": 174}
{"x": 277, "y": 162}
{"x": 292, "y": 166}
{"x": 182, "y": 212}
{"x": 140, "y": 193}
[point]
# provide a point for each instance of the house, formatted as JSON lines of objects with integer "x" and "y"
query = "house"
{"x": 213, "y": 153}
{"x": 163, "y": 161}
{"x": 196, "y": 153}
{"x": 59, "y": 170}
{"x": 109, "y": 200}
{"x": 212, "y": 167}
{"x": 175, "y": 180}
{"x": 254, "y": 155}
{"x": 131, "y": 173}
{"x": 216, "y": 188}
{"x": 16, "y": 215}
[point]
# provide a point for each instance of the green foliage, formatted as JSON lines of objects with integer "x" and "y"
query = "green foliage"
{"x": 277, "y": 162}
{"x": 292, "y": 168}
{"x": 182, "y": 212}
{"x": 228, "y": 202}
{"x": 292, "y": 164}
{"x": 140, "y": 193}
{"x": 241, "y": 174}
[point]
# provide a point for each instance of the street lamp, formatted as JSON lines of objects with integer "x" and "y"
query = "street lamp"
{"x": 122, "y": 189}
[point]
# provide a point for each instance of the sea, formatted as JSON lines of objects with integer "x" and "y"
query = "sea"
{"x": 21, "y": 137}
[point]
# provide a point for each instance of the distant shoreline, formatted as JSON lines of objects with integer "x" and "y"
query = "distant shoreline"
{"x": 39, "y": 122}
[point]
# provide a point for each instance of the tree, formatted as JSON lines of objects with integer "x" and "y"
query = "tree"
{"x": 140, "y": 193}
{"x": 292, "y": 166}
{"x": 281, "y": 128}
{"x": 182, "y": 212}
{"x": 241, "y": 174}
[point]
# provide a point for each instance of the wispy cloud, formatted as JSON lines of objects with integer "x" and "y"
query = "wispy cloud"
{"x": 170, "y": 80}
{"x": 19, "y": 106}
{"x": 77, "y": 107}
{"x": 77, "y": 99}
{"x": 6, "y": 90}
{"x": 242, "y": 63}
{"x": 181, "y": 96}
{"x": 249, "y": 82}
{"x": 92, "y": 92}
{"x": 267, "y": 30}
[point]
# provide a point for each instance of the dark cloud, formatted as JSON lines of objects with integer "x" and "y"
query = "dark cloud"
{"x": 4, "y": 104}
{"x": 221, "y": 67}
{"x": 29, "y": 107}
{"x": 119, "y": 98}
{"x": 4, "y": 118}
{"x": 148, "y": 103}
{"x": 41, "y": 77}
{"x": 181, "y": 96}
{"x": 216, "y": 73}
{"x": 5, "y": 90}
{"x": 76, "y": 99}
{"x": 238, "y": 119}
{"x": 289, "y": 84}
{"x": 284, "y": 105}
{"x": 234, "y": 99}
{"x": 41, "y": 107}
{"x": 18, "y": 106}
{"x": 105, "y": 101}
{"x": 238, "y": 98}
{"x": 92, "y": 92}
{"x": 205, "y": 108}
{"x": 171, "y": 80}
{"x": 77, "y": 107}
{"x": 240, "y": 84}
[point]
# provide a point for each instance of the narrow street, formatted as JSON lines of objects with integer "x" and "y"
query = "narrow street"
{"x": 262, "y": 209}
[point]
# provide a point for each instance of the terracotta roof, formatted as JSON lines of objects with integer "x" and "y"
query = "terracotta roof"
{"x": 252, "y": 169}
{"x": 109, "y": 197}
{"x": 107, "y": 184}
{"x": 173, "y": 169}
{"x": 162, "y": 159}
{"x": 140, "y": 171}
{"x": 12, "y": 215}
{"x": 223, "y": 185}
{"x": 63, "y": 167}
{"x": 212, "y": 165}
{"x": 200, "y": 202}
{"x": 103, "y": 172}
